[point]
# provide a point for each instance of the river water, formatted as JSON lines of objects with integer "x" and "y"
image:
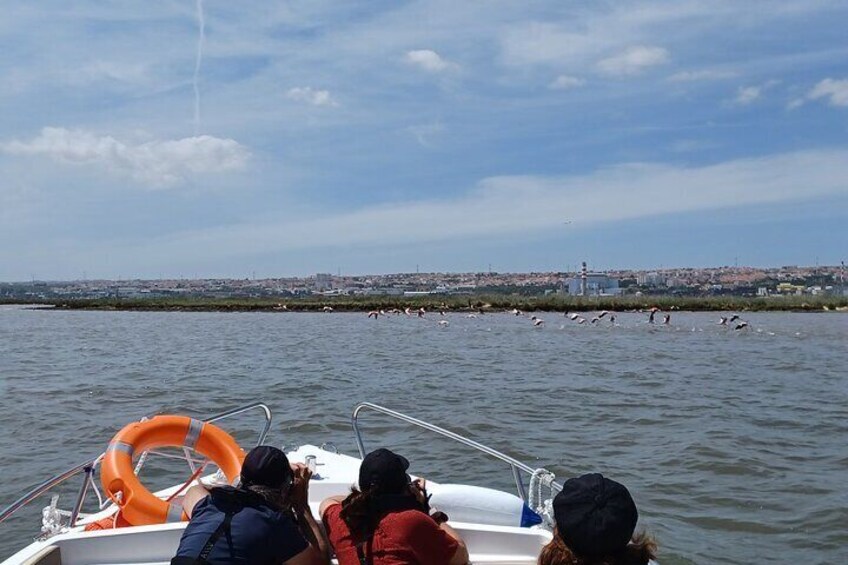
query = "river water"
{"x": 733, "y": 443}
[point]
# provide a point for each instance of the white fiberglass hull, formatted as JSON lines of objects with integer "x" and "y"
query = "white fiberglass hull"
{"x": 482, "y": 517}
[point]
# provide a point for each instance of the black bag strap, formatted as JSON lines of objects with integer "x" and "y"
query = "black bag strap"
{"x": 201, "y": 559}
{"x": 222, "y": 529}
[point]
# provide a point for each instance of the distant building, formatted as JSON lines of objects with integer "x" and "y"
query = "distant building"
{"x": 789, "y": 288}
{"x": 650, "y": 279}
{"x": 323, "y": 281}
{"x": 597, "y": 284}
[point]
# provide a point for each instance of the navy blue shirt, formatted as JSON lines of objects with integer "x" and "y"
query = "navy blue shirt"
{"x": 258, "y": 534}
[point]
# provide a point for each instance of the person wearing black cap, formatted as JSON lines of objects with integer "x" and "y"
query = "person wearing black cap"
{"x": 266, "y": 520}
{"x": 387, "y": 520}
{"x": 595, "y": 519}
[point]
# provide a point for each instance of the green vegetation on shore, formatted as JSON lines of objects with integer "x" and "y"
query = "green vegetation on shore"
{"x": 554, "y": 303}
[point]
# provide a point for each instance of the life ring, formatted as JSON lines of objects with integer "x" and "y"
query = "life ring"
{"x": 138, "y": 505}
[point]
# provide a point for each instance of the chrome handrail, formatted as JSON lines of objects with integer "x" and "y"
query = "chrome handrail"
{"x": 40, "y": 489}
{"x": 514, "y": 464}
{"x": 89, "y": 465}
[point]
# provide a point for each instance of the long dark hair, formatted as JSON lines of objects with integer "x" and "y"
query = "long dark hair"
{"x": 641, "y": 549}
{"x": 363, "y": 509}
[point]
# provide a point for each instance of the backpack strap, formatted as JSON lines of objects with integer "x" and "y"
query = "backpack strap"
{"x": 201, "y": 559}
{"x": 224, "y": 528}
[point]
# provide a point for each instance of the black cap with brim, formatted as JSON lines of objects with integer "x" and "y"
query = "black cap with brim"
{"x": 266, "y": 466}
{"x": 595, "y": 516}
{"x": 384, "y": 471}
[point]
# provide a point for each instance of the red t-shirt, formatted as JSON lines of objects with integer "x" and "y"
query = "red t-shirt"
{"x": 402, "y": 538}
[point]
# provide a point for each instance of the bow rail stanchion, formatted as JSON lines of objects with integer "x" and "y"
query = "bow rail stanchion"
{"x": 88, "y": 466}
{"x": 516, "y": 466}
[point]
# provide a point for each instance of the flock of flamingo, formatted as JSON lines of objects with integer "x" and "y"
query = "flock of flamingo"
{"x": 734, "y": 321}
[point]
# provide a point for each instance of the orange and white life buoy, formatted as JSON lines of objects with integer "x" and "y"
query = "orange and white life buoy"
{"x": 138, "y": 505}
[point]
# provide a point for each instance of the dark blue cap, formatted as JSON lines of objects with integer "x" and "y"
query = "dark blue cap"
{"x": 267, "y": 466}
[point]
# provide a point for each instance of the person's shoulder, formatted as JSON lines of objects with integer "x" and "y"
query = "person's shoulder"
{"x": 333, "y": 521}
{"x": 202, "y": 507}
{"x": 332, "y": 512}
{"x": 283, "y": 519}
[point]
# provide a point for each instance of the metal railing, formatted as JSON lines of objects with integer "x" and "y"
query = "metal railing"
{"x": 515, "y": 465}
{"x": 88, "y": 467}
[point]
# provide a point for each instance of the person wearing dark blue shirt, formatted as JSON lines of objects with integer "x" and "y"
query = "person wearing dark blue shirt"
{"x": 266, "y": 520}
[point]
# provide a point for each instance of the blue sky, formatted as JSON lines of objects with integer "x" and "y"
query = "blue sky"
{"x": 297, "y": 137}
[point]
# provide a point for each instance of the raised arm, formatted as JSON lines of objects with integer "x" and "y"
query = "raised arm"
{"x": 460, "y": 556}
{"x": 319, "y": 551}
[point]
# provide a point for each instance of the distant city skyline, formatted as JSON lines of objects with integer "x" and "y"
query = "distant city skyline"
{"x": 289, "y": 139}
{"x": 569, "y": 270}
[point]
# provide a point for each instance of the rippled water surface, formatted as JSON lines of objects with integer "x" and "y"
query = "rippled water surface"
{"x": 734, "y": 444}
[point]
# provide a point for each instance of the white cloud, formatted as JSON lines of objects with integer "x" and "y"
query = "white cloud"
{"x": 429, "y": 60}
{"x": 424, "y": 133}
{"x": 633, "y": 60}
{"x": 155, "y": 163}
{"x": 312, "y": 96}
{"x": 746, "y": 95}
{"x": 701, "y": 75}
{"x": 527, "y": 204}
{"x": 565, "y": 82}
{"x": 836, "y": 91}
{"x": 110, "y": 71}
{"x": 796, "y": 103}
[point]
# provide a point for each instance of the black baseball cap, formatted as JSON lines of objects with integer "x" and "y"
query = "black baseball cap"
{"x": 267, "y": 466}
{"x": 385, "y": 471}
{"x": 595, "y": 516}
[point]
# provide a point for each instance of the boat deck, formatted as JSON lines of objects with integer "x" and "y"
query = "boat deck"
{"x": 335, "y": 473}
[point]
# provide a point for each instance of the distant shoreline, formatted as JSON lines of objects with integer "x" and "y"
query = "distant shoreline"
{"x": 455, "y": 303}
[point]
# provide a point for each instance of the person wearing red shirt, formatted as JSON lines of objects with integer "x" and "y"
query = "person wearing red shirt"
{"x": 386, "y": 521}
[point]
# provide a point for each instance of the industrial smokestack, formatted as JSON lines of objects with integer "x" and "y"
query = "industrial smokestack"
{"x": 583, "y": 276}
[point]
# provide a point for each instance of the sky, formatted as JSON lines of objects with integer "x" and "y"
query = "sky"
{"x": 269, "y": 139}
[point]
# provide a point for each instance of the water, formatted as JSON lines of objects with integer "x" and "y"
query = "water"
{"x": 732, "y": 443}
